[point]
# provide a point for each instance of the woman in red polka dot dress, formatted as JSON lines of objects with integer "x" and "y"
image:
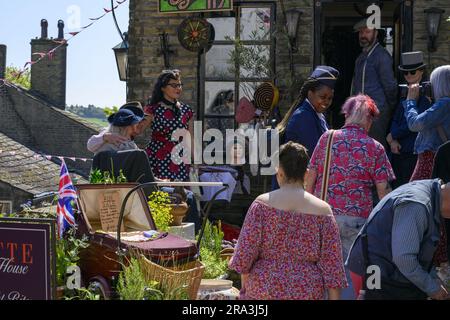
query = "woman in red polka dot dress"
{"x": 168, "y": 115}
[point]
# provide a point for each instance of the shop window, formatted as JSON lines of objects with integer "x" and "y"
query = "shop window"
{"x": 226, "y": 79}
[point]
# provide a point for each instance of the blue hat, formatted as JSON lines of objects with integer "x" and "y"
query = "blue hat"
{"x": 135, "y": 107}
{"x": 325, "y": 75}
{"x": 123, "y": 118}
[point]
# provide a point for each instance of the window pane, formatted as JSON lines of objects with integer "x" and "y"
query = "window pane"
{"x": 223, "y": 27}
{"x": 255, "y": 24}
{"x": 255, "y": 62}
{"x": 247, "y": 89}
{"x": 219, "y": 98}
{"x": 218, "y": 63}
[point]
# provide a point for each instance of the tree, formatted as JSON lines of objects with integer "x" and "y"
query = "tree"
{"x": 18, "y": 77}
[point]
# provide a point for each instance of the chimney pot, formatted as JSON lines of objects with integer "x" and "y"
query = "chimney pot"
{"x": 60, "y": 29}
{"x": 44, "y": 29}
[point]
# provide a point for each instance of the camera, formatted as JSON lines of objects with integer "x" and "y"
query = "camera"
{"x": 424, "y": 89}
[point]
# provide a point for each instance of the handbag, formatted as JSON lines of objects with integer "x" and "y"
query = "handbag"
{"x": 326, "y": 168}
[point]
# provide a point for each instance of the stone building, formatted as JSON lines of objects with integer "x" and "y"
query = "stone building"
{"x": 33, "y": 122}
{"x": 324, "y": 36}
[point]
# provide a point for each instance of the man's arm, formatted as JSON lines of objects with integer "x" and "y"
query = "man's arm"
{"x": 96, "y": 141}
{"x": 387, "y": 79}
{"x": 408, "y": 229}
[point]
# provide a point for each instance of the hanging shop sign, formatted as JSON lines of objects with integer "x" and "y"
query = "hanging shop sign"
{"x": 27, "y": 259}
{"x": 180, "y": 6}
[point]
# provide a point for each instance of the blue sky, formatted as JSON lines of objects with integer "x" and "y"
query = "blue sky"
{"x": 92, "y": 76}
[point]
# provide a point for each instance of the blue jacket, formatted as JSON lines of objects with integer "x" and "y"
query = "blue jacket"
{"x": 399, "y": 126}
{"x": 305, "y": 127}
{"x": 426, "y": 123}
{"x": 379, "y": 81}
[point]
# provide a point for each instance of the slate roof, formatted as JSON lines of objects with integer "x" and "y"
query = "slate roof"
{"x": 27, "y": 170}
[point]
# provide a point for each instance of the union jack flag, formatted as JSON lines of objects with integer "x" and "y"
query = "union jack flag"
{"x": 66, "y": 194}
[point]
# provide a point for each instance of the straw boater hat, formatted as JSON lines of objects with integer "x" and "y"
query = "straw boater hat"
{"x": 412, "y": 61}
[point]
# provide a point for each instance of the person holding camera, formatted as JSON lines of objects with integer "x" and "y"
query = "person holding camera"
{"x": 432, "y": 125}
{"x": 400, "y": 138}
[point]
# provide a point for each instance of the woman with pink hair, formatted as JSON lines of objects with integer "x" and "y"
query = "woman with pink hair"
{"x": 357, "y": 164}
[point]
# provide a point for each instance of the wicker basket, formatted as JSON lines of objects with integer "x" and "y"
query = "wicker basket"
{"x": 171, "y": 278}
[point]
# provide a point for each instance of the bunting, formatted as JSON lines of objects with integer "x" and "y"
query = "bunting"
{"x": 51, "y": 53}
{"x": 38, "y": 156}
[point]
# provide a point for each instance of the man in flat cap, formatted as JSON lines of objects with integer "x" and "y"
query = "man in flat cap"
{"x": 374, "y": 77}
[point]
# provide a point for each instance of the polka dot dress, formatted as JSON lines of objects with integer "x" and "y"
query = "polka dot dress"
{"x": 159, "y": 150}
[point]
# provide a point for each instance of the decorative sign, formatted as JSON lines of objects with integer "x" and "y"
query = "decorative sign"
{"x": 196, "y": 34}
{"x": 109, "y": 207}
{"x": 27, "y": 259}
{"x": 180, "y": 6}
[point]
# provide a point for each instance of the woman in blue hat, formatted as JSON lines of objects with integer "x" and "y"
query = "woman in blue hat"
{"x": 125, "y": 124}
{"x": 305, "y": 122}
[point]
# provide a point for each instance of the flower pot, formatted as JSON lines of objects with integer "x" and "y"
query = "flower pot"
{"x": 178, "y": 212}
{"x": 60, "y": 292}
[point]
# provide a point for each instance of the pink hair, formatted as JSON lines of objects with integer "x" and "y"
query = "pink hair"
{"x": 360, "y": 108}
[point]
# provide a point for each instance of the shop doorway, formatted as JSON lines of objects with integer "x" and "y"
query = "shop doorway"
{"x": 338, "y": 45}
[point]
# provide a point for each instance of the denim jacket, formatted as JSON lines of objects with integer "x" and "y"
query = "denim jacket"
{"x": 427, "y": 122}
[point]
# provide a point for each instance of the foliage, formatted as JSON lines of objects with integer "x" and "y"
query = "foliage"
{"x": 84, "y": 294}
{"x": 210, "y": 248}
{"x": 131, "y": 284}
{"x": 67, "y": 253}
{"x": 159, "y": 203}
{"x": 215, "y": 266}
{"x": 109, "y": 111}
{"x": 90, "y": 111}
{"x": 14, "y": 75}
{"x": 96, "y": 177}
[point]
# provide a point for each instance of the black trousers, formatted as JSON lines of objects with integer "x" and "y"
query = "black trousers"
{"x": 403, "y": 166}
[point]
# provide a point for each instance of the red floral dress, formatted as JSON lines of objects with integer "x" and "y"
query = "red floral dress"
{"x": 165, "y": 122}
{"x": 288, "y": 255}
{"x": 358, "y": 162}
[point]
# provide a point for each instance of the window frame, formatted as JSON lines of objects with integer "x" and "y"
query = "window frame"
{"x": 271, "y": 42}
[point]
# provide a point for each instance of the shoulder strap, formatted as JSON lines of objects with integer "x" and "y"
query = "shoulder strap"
{"x": 326, "y": 168}
{"x": 442, "y": 134}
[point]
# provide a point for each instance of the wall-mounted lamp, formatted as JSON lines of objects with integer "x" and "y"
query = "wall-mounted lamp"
{"x": 121, "y": 53}
{"x": 433, "y": 20}
{"x": 165, "y": 50}
{"x": 292, "y": 22}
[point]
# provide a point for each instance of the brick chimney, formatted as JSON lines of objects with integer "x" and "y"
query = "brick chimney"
{"x": 48, "y": 76}
{"x": 2, "y": 61}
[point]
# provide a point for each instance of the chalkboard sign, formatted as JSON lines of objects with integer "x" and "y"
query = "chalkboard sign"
{"x": 27, "y": 259}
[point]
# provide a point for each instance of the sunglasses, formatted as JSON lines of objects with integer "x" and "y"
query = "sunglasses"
{"x": 412, "y": 72}
{"x": 175, "y": 85}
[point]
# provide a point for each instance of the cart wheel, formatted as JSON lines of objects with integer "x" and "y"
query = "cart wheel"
{"x": 100, "y": 285}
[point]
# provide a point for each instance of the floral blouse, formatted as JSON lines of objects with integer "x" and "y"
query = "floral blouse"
{"x": 358, "y": 162}
{"x": 288, "y": 255}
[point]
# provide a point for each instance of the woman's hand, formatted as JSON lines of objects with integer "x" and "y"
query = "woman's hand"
{"x": 395, "y": 146}
{"x": 413, "y": 92}
{"x": 113, "y": 138}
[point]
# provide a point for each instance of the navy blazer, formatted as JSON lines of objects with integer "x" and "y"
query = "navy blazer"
{"x": 305, "y": 127}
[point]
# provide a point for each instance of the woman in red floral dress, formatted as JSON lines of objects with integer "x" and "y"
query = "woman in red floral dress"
{"x": 289, "y": 246}
{"x": 167, "y": 116}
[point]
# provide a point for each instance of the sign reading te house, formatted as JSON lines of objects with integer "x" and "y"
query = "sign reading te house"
{"x": 179, "y": 6}
{"x": 27, "y": 263}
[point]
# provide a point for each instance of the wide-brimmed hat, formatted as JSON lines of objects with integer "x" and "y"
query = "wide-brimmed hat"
{"x": 412, "y": 61}
{"x": 135, "y": 107}
{"x": 123, "y": 118}
{"x": 326, "y": 75}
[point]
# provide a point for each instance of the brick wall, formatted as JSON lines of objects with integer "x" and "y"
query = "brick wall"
{"x": 54, "y": 131}
{"x": 48, "y": 77}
